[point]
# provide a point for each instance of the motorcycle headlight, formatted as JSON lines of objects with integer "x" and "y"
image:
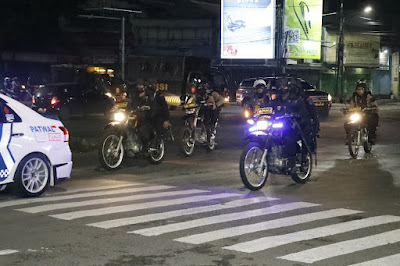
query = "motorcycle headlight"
{"x": 277, "y": 125}
{"x": 250, "y": 122}
{"x": 355, "y": 117}
{"x": 246, "y": 114}
{"x": 226, "y": 99}
{"x": 108, "y": 94}
{"x": 262, "y": 125}
{"x": 119, "y": 116}
{"x": 329, "y": 97}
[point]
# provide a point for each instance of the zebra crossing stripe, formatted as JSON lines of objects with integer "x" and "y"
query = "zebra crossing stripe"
{"x": 166, "y": 215}
{"x": 72, "y": 196}
{"x": 387, "y": 261}
{"x": 66, "y": 205}
{"x": 158, "y": 230}
{"x": 280, "y": 240}
{"x": 145, "y": 205}
{"x": 262, "y": 226}
{"x": 347, "y": 247}
{"x": 8, "y": 252}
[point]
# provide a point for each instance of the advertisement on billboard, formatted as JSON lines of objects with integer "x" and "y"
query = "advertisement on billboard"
{"x": 247, "y": 29}
{"x": 303, "y": 28}
{"x": 360, "y": 50}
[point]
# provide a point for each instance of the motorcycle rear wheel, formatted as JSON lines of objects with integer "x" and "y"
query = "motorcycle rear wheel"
{"x": 353, "y": 142}
{"x": 187, "y": 145}
{"x": 303, "y": 174}
{"x": 110, "y": 158}
{"x": 253, "y": 173}
{"x": 158, "y": 155}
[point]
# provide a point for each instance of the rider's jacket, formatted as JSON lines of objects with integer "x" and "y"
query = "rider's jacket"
{"x": 363, "y": 101}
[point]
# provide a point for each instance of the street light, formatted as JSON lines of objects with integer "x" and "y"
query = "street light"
{"x": 368, "y": 9}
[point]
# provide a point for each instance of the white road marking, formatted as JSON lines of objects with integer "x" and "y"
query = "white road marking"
{"x": 158, "y": 230}
{"x": 8, "y": 252}
{"x": 347, "y": 247}
{"x": 387, "y": 261}
{"x": 59, "y": 206}
{"x": 166, "y": 215}
{"x": 142, "y": 206}
{"x": 262, "y": 226}
{"x": 280, "y": 240}
{"x": 72, "y": 196}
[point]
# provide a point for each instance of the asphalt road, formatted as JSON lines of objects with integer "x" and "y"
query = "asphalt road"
{"x": 195, "y": 211}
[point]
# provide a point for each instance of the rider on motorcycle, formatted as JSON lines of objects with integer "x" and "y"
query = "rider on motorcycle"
{"x": 7, "y": 87}
{"x": 157, "y": 115}
{"x": 293, "y": 102}
{"x": 364, "y": 99}
{"x": 214, "y": 103}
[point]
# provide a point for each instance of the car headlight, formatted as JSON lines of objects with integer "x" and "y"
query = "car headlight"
{"x": 119, "y": 116}
{"x": 226, "y": 99}
{"x": 329, "y": 97}
{"x": 355, "y": 117}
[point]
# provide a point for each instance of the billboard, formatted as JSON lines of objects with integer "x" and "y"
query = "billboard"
{"x": 360, "y": 50}
{"x": 248, "y": 29}
{"x": 303, "y": 28}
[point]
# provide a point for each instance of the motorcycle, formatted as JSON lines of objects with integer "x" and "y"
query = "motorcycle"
{"x": 358, "y": 132}
{"x": 121, "y": 139}
{"x": 194, "y": 131}
{"x": 266, "y": 151}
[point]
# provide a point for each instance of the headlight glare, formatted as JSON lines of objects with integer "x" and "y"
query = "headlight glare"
{"x": 355, "y": 117}
{"x": 119, "y": 117}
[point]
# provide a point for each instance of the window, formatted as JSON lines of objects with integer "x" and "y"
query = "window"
{"x": 8, "y": 115}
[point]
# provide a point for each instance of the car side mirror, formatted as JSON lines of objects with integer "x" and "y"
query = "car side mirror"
{"x": 10, "y": 118}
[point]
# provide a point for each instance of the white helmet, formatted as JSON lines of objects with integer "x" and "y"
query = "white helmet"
{"x": 259, "y": 82}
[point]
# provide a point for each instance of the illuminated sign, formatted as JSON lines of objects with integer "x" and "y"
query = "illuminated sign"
{"x": 248, "y": 29}
{"x": 303, "y": 28}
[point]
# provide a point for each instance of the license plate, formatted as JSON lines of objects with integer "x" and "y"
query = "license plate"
{"x": 123, "y": 104}
{"x": 190, "y": 111}
{"x": 319, "y": 104}
{"x": 355, "y": 109}
{"x": 42, "y": 110}
{"x": 266, "y": 110}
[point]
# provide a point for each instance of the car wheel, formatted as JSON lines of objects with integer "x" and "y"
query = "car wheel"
{"x": 32, "y": 175}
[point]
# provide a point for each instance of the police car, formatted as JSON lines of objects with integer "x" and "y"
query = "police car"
{"x": 34, "y": 149}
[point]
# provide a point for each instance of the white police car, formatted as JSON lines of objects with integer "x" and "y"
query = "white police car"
{"x": 34, "y": 149}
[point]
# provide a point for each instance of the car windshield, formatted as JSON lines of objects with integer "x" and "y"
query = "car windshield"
{"x": 247, "y": 83}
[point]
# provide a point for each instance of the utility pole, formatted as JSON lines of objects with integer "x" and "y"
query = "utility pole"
{"x": 340, "y": 55}
{"x": 281, "y": 38}
{"x": 123, "y": 48}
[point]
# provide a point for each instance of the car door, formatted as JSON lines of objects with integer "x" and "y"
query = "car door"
{"x": 7, "y": 133}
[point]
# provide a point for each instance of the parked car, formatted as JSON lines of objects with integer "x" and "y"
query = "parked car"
{"x": 94, "y": 91}
{"x": 35, "y": 152}
{"x": 321, "y": 99}
{"x": 245, "y": 89}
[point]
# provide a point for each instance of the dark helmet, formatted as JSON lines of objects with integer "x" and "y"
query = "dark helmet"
{"x": 362, "y": 83}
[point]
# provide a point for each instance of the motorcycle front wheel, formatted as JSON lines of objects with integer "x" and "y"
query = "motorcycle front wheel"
{"x": 188, "y": 141}
{"x": 367, "y": 144}
{"x": 110, "y": 156}
{"x": 157, "y": 151}
{"x": 353, "y": 142}
{"x": 253, "y": 171}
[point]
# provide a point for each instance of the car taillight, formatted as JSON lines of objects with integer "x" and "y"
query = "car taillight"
{"x": 33, "y": 99}
{"x": 53, "y": 101}
{"x": 66, "y": 134}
